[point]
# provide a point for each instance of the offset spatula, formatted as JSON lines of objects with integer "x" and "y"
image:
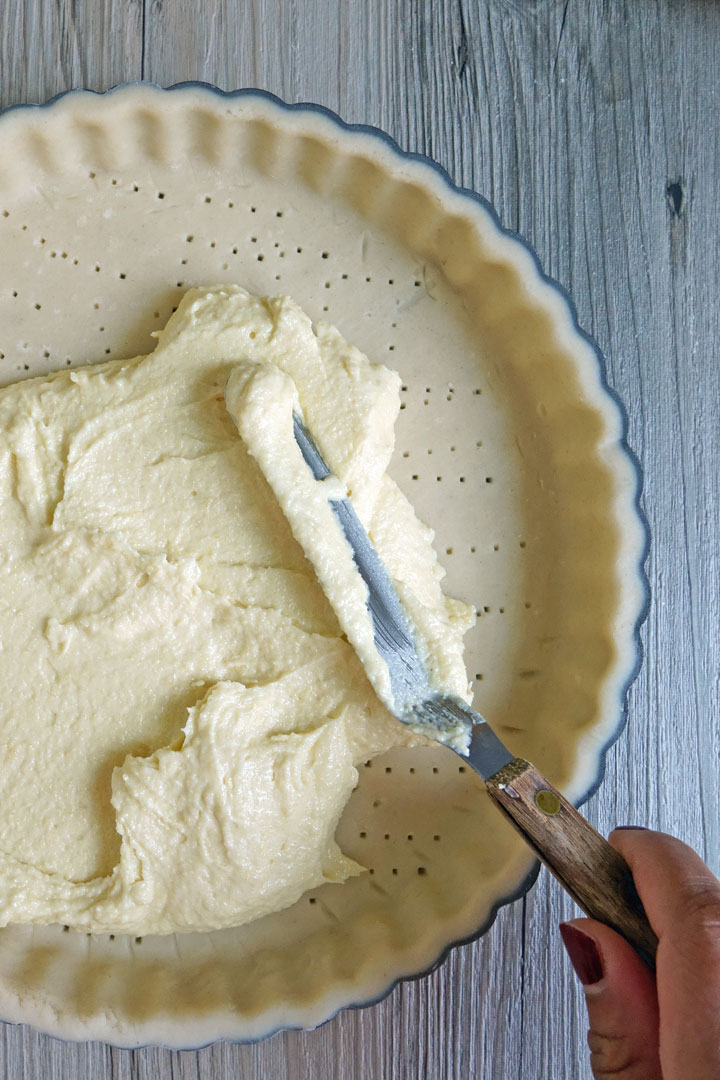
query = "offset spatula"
{"x": 585, "y": 864}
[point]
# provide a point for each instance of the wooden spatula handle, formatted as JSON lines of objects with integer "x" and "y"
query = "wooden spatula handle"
{"x": 586, "y": 865}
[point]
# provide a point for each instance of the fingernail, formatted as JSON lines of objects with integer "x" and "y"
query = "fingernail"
{"x": 630, "y": 828}
{"x": 584, "y": 954}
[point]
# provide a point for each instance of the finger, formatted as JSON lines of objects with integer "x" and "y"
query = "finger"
{"x": 682, "y": 901}
{"x": 621, "y": 1002}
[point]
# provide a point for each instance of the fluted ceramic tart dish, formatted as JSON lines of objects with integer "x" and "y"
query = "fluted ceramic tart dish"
{"x": 509, "y": 445}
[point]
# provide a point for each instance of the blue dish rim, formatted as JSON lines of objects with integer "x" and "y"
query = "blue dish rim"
{"x": 479, "y": 200}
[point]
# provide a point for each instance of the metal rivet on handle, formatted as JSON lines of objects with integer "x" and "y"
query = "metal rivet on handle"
{"x": 547, "y": 801}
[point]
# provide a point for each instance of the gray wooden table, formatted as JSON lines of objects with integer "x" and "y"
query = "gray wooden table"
{"x": 594, "y": 130}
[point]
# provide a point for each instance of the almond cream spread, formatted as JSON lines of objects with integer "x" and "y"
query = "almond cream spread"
{"x": 181, "y": 715}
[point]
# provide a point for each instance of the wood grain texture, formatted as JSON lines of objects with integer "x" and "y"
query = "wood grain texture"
{"x": 593, "y": 130}
{"x": 590, "y": 870}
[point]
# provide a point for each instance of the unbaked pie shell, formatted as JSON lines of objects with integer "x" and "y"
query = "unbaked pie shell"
{"x": 509, "y": 444}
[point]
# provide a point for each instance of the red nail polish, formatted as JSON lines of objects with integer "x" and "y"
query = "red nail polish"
{"x": 584, "y": 954}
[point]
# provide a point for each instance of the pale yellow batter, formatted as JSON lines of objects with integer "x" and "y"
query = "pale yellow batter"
{"x": 181, "y": 715}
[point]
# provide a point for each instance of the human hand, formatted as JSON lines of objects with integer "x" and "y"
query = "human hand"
{"x": 664, "y": 1026}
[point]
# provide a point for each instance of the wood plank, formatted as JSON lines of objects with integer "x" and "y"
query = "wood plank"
{"x": 574, "y": 120}
{"x": 47, "y": 48}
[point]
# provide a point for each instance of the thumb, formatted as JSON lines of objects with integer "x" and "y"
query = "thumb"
{"x": 621, "y": 1002}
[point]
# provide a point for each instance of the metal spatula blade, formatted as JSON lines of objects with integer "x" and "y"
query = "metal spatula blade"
{"x": 415, "y": 701}
{"x": 588, "y": 867}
